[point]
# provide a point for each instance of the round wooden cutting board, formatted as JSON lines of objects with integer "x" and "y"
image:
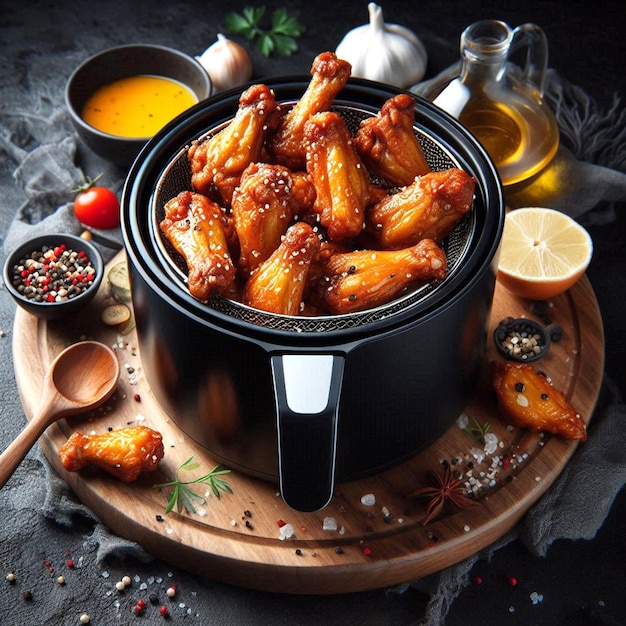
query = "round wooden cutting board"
{"x": 350, "y": 545}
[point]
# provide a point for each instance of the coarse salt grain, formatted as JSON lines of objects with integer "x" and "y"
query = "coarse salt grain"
{"x": 286, "y": 532}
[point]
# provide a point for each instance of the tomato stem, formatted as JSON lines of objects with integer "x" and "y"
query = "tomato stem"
{"x": 87, "y": 183}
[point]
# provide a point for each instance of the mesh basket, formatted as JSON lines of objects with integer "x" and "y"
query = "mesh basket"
{"x": 176, "y": 177}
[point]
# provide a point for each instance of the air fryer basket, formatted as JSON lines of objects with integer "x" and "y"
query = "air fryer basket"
{"x": 176, "y": 177}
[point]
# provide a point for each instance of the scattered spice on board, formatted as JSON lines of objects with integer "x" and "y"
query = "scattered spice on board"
{"x": 446, "y": 490}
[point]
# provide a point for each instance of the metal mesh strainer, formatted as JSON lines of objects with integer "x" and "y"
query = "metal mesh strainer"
{"x": 176, "y": 177}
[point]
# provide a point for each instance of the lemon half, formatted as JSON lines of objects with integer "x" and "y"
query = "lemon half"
{"x": 543, "y": 252}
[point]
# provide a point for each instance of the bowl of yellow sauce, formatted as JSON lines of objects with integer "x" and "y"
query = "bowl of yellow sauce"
{"x": 121, "y": 97}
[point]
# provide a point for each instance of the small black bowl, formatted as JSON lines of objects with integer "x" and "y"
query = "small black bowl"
{"x": 121, "y": 62}
{"x": 56, "y": 309}
{"x": 522, "y": 340}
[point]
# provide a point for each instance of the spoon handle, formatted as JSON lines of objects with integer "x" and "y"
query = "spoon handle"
{"x": 19, "y": 447}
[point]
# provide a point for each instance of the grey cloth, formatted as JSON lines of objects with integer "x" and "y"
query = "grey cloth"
{"x": 574, "y": 507}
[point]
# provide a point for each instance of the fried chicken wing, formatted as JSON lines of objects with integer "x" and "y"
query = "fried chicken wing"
{"x": 263, "y": 206}
{"x": 430, "y": 207}
{"x": 304, "y": 192}
{"x": 367, "y": 278}
{"x": 340, "y": 178}
{"x": 388, "y": 145}
{"x": 217, "y": 163}
{"x": 329, "y": 75}
{"x": 126, "y": 453}
{"x": 277, "y": 285}
{"x": 527, "y": 399}
{"x": 195, "y": 226}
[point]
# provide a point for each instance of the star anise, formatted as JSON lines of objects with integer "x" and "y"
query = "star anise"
{"x": 446, "y": 490}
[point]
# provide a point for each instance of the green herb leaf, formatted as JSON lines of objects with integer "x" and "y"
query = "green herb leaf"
{"x": 284, "y": 24}
{"x": 279, "y": 37}
{"x": 182, "y": 497}
{"x": 478, "y": 431}
{"x": 285, "y": 46}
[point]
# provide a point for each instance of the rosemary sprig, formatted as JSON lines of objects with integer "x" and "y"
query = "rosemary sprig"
{"x": 280, "y": 37}
{"x": 478, "y": 431}
{"x": 183, "y": 497}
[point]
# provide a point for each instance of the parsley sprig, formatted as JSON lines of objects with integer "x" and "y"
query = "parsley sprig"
{"x": 279, "y": 38}
{"x": 183, "y": 497}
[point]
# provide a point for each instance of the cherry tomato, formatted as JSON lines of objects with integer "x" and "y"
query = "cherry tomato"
{"x": 97, "y": 207}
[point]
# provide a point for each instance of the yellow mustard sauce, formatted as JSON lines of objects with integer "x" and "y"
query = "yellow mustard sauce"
{"x": 137, "y": 106}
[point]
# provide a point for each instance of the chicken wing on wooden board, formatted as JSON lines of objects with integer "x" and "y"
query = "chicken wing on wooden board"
{"x": 340, "y": 178}
{"x": 126, "y": 453}
{"x": 195, "y": 226}
{"x": 263, "y": 206}
{"x": 217, "y": 163}
{"x": 527, "y": 399}
{"x": 329, "y": 75}
{"x": 429, "y": 208}
{"x": 278, "y": 284}
{"x": 368, "y": 278}
{"x": 388, "y": 145}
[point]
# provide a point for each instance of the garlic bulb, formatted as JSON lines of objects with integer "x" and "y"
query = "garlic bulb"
{"x": 388, "y": 53}
{"x": 228, "y": 63}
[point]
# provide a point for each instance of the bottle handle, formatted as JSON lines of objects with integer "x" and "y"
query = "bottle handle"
{"x": 536, "y": 42}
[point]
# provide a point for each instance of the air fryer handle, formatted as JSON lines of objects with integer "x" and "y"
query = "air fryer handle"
{"x": 307, "y": 389}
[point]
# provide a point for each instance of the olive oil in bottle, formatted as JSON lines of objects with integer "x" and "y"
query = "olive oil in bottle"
{"x": 503, "y": 109}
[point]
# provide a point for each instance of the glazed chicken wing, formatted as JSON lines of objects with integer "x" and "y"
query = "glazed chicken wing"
{"x": 329, "y": 75}
{"x": 126, "y": 453}
{"x": 429, "y": 208}
{"x": 195, "y": 226}
{"x": 366, "y": 278}
{"x": 263, "y": 206}
{"x": 340, "y": 178}
{"x": 527, "y": 399}
{"x": 388, "y": 145}
{"x": 217, "y": 163}
{"x": 277, "y": 285}
{"x": 304, "y": 192}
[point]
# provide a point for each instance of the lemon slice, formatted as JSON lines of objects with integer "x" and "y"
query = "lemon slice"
{"x": 543, "y": 252}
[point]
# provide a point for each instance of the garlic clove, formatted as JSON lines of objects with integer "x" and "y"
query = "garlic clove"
{"x": 228, "y": 63}
{"x": 388, "y": 53}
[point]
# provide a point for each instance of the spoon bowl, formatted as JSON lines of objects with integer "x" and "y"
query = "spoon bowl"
{"x": 79, "y": 379}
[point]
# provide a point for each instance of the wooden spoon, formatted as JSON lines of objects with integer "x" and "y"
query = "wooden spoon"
{"x": 80, "y": 378}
